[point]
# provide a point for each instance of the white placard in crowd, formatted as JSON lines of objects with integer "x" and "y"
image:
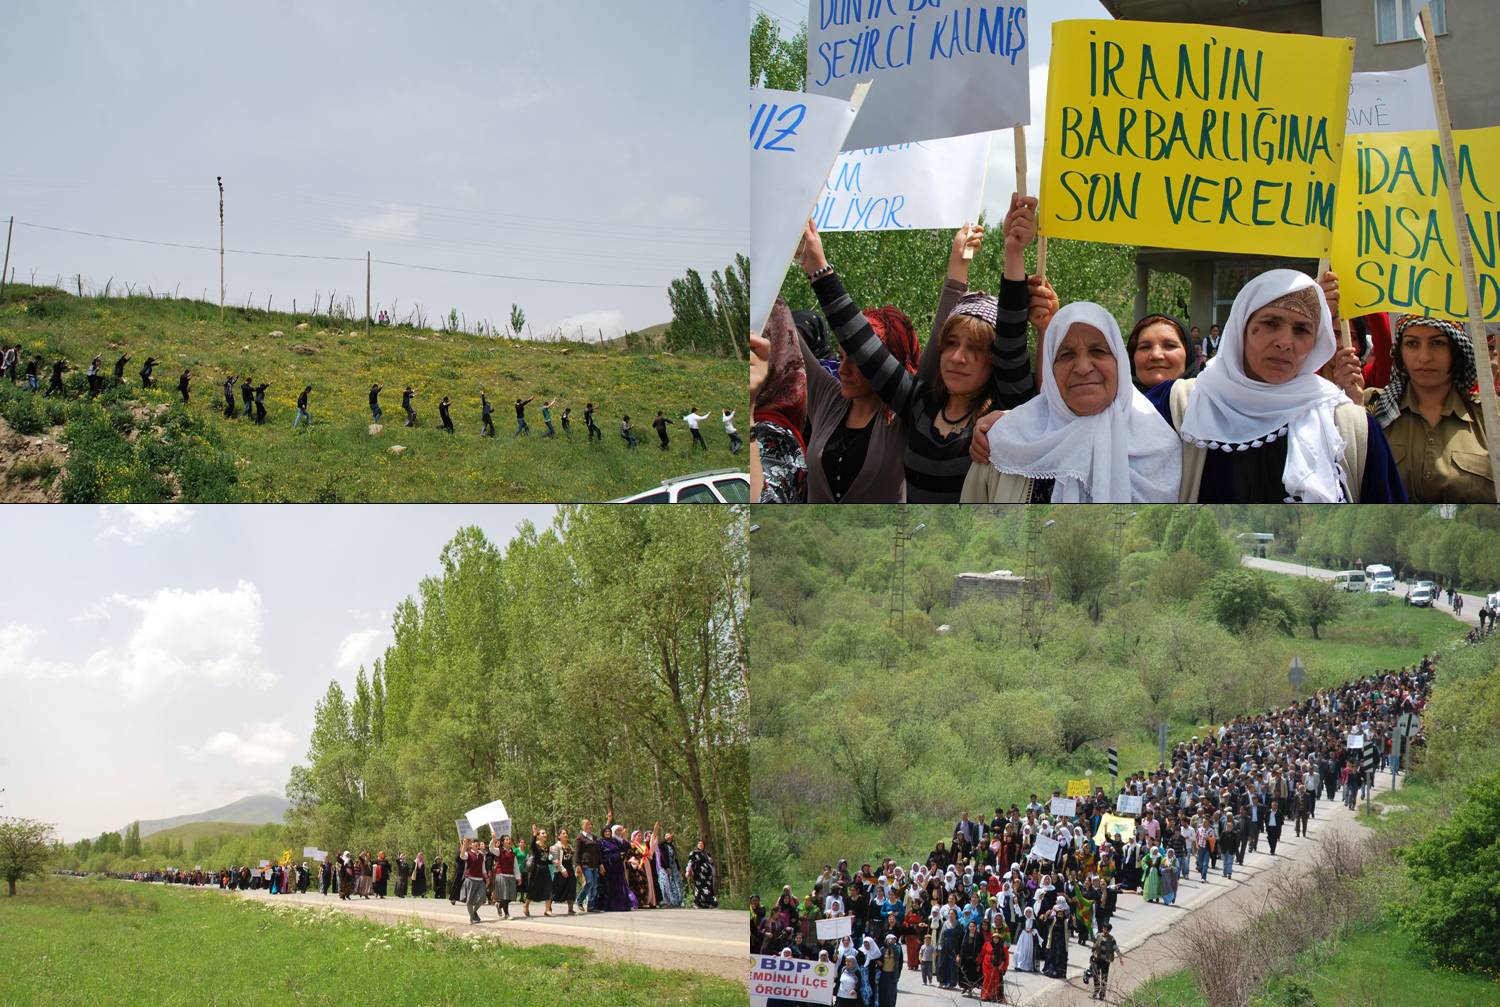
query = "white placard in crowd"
{"x": 794, "y": 137}
{"x": 1356, "y": 741}
{"x": 940, "y": 69}
{"x": 311, "y": 851}
{"x": 1128, "y": 804}
{"x": 465, "y": 830}
{"x": 1064, "y": 806}
{"x": 831, "y": 928}
{"x": 1391, "y": 101}
{"x": 490, "y": 814}
{"x": 790, "y": 980}
{"x": 501, "y": 828}
{"x": 924, "y": 184}
{"x": 1045, "y": 848}
{"x": 265, "y": 864}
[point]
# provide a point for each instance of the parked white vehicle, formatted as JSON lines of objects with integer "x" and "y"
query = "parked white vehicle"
{"x": 1349, "y": 580}
{"x": 1420, "y": 597}
{"x": 1379, "y": 577}
{"x": 718, "y": 486}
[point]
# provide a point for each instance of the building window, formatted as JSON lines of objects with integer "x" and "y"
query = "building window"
{"x": 1396, "y": 20}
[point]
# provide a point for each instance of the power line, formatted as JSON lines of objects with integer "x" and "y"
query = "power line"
{"x": 342, "y": 258}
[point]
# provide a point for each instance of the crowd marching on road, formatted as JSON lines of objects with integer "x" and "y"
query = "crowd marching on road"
{"x": 1016, "y": 892}
{"x": 610, "y": 872}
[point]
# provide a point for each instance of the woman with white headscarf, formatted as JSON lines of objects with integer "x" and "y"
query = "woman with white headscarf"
{"x": 1024, "y": 943}
{"x": 1260, "y": 425}
{"x": 1090, "y": 437}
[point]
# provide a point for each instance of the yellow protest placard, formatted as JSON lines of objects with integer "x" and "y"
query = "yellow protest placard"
{"x": 1394, "y": 244}
{"x": 1116, "y": 828}
{"x": 1189, "y": 136}
{"x": 1079, "y": 788}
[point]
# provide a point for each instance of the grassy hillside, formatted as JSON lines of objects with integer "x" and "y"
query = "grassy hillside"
{"x": 71, "y": 941}
{"x": 257, "y": 809}
{"x": 187, "y": 833}
{"x": 137, "y": 445}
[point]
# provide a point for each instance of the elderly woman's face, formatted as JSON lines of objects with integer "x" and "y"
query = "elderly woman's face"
{"x": 1085, "y": 370}
{"x": 1277, "y": 342}
{"x": 1427, "y": 356}
{"x": 1159, "y": 354}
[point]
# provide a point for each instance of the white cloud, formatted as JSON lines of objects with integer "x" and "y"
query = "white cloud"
{"x": 211, "y": 634}
{"x": 18, "y": 658}
{"x": 394, "y": 221}
{"x": 612, "y": 323}
{"x": 133, "y": 522}
{"x": 361, "y": 647}
{"x": 262, "y": 744}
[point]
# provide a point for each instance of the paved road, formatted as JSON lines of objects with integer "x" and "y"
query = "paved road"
{"x": 1144, "y": 928}
{"x": 1472, "y": 602}
{"x": 700, "y": 940}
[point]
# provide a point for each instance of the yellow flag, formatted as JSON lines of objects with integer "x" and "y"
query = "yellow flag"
{"x": 1189, "y": 136}
{"x": 1394, "y": 244}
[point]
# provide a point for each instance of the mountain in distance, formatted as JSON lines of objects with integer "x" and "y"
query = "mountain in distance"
{"x": 257, "y": 809}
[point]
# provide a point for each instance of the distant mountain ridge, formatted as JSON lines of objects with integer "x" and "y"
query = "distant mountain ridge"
{"x": 257, "y": 809}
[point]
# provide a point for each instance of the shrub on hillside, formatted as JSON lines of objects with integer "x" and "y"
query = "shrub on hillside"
{"x": 1457, "y": 871}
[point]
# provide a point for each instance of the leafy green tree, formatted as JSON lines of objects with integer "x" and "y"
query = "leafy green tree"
{"x": 776, "y": 62}
{"x": 1081, "y": 557}
{"x": 25, "y": 849}
{"x": 1319, "y": 603}
{"x": 132, "y": 844}
{"x": 1239, "y": 598}
{"x": 1456, "y": 869}
{"x": 1204, "y": 539}
{"x": 517, "y": 320}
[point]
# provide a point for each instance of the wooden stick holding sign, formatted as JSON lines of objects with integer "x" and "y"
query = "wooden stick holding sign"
{"x": 1342, "y": 337}
{"x": 1465, "y": 245}
{"x": 968, "y": 252}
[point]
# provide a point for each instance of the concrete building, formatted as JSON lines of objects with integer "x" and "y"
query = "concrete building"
{"x": 1383, "y": 40}
{"x": 995, "y": 586}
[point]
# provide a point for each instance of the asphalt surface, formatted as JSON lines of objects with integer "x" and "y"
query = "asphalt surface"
{"x": 1472, "y": 602}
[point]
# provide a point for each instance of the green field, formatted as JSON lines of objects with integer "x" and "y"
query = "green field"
{"x": 139, "y": 445}
{"x": 190, "y": 831}
{"x": 74, "y": 941}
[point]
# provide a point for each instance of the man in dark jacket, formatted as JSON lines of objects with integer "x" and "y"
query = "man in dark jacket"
{"x": 589, "y": 856}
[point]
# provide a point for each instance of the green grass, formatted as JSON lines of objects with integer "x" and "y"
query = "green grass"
{"x": 71, "y": 941}
{"x": 1375, "y": 965}
{"x": 337, "y": 459}
{"x": 189, "y": 831}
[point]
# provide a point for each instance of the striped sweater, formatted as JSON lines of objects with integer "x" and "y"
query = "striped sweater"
{"x": 935, "y": 465}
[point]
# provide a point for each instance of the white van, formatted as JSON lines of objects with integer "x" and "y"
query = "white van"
{"x": 1379, "y": 578}
{"x": 1349, "y": 580}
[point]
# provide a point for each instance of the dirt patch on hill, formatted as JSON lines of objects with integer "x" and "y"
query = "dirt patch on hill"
{"x": 30, "y": 466}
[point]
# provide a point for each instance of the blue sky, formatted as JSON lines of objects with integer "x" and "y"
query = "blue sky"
{"x": 573, "y": 141}
{"x": 160, "y": 660}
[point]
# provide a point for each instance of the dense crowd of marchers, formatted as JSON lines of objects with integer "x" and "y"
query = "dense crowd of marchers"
{"x": 1271, "y": 409}
{"x": 1016, "y": 891}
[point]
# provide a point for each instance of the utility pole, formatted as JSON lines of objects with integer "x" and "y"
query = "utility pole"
{"x": 367, "y": 294}
{"x": 220, "y": 180}
{"x": 6, "y": 268}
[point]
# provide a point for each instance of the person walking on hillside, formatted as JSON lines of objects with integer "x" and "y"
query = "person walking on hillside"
{"x": 247, "y": 396}
{"x": 407, "y": 395}
{"x": 55, "y": 386}
{"x": 443, "y": 413}
{"x": 487, "y": 423}
{"x": 660, "y": 426}
{"x": 567, "y": 427}
{"x": 93, "y": 376}
{"x": 120, "y": 368}
{"x": 692, "y": 419}
{"x": 734, "y": 435}
{"x": 32, "y": 366}
{"x": 229, "y": 396}
{"x": 260, "y": 401}
{"x": 375, "y": 411}
{"x": 547, "y": 418}
{"x": 521, "y": 427}
{"x": 302, "y": 413}
{"x": 146, "y": 369}
{"x": 8, "y": 362}
{"x": 588, "y": 421}
{"x": 182, "y": 384}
